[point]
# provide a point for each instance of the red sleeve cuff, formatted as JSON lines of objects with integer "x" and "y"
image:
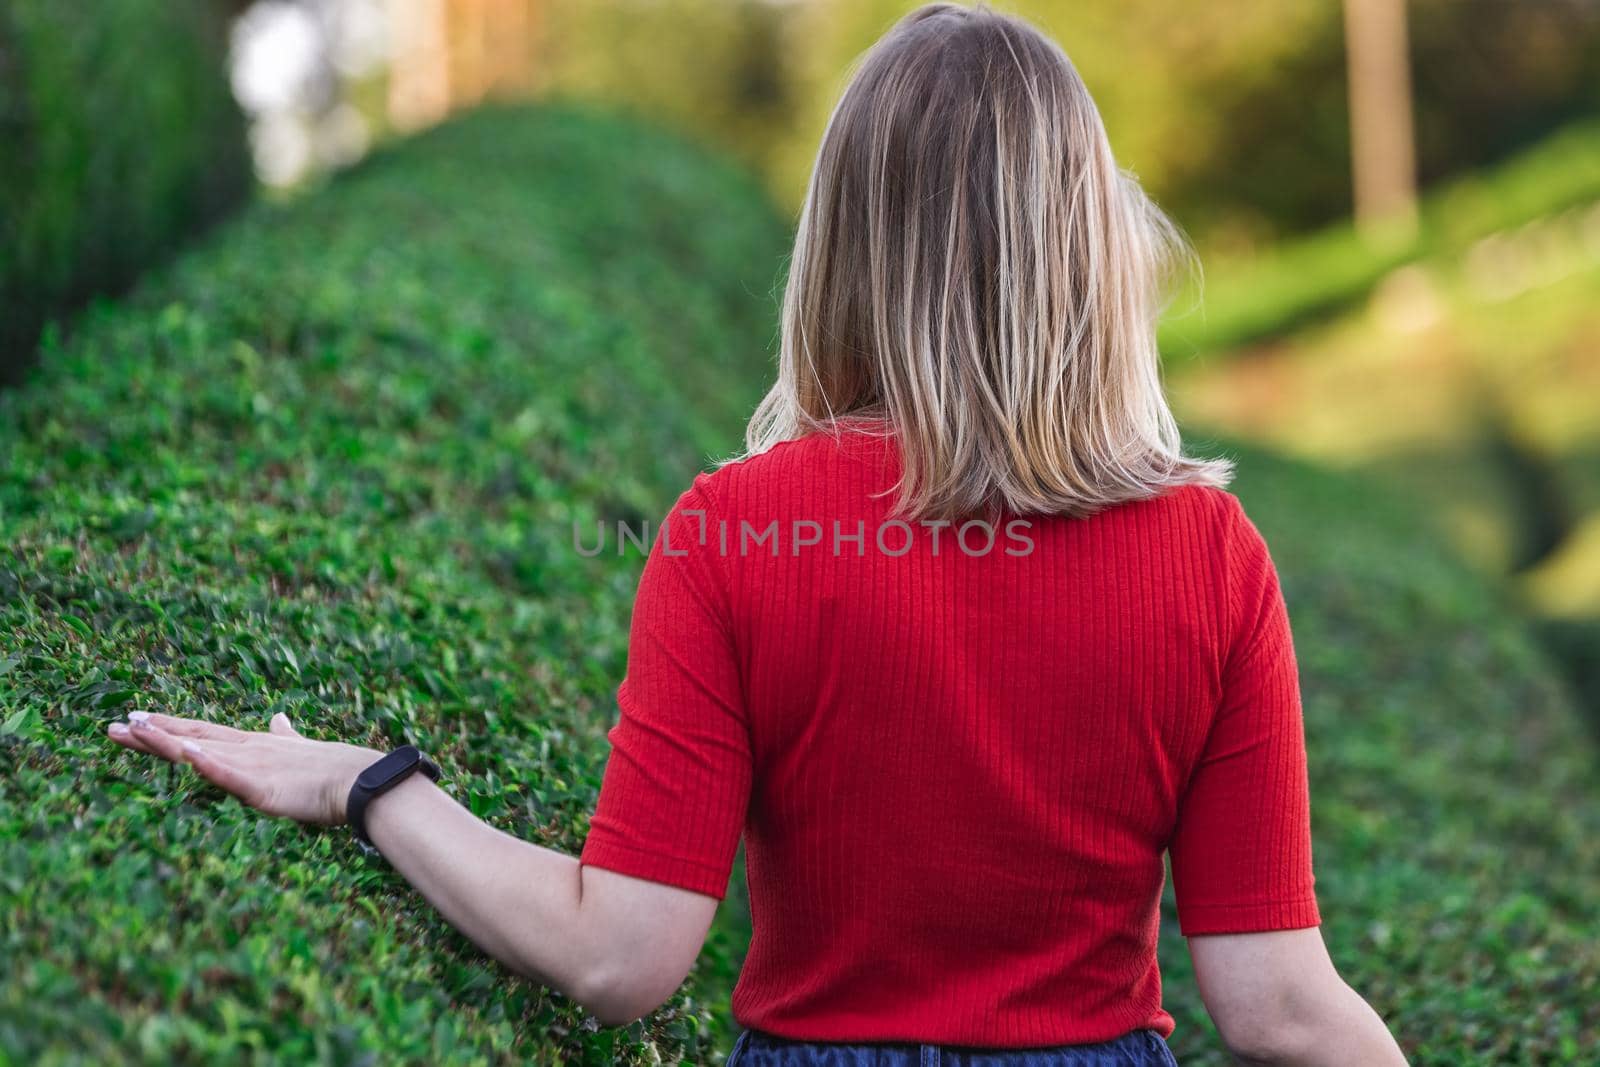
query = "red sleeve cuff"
{"x": 606, "y": 852}
{"x": 1253, "y": 918}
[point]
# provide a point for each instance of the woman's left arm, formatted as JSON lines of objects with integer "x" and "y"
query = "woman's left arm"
{"x": 617, "y": 945}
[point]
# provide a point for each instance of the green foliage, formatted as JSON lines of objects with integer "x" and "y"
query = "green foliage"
{"x": 1328, "y": 271}
{"x": 1457, "y": 829}
{"x": 119, "y": 138}
{"x": 330, "y": 463}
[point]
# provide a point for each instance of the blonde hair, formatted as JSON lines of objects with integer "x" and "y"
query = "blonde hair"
{"x": 974, "y": 270}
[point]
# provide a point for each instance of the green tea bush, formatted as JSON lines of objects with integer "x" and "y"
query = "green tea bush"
{"x": 118, "y": 136}
{"x": 1455, "y": 808}
{"x": 330, "y": 462}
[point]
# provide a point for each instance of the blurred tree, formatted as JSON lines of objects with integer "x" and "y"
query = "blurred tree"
{"x": 1383, "y": 154}
{"x": 419, "y": 71}
{"x": 449, "y": 54}
{"x": 117, "y": 138}
{"x": 1494, "y": 76}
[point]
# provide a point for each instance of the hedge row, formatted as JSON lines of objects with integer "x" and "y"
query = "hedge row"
{"x": 118, "y": 136}
{"x": 330, "y": 463}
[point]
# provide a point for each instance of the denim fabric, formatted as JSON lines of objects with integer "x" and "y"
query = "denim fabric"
{"x": 1141, "y": 1048}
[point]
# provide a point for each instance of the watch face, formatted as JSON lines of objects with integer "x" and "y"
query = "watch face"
{"x": 389, "y": 767}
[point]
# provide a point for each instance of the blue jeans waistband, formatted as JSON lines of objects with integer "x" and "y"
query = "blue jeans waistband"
{"x": 1141, "y": 1048}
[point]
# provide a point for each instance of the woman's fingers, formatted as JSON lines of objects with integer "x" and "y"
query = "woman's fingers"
{"x": 131, "y": 734}
{"x": 156, "y": 741}
{"x": 222, "y": 774}
{"x": 122, "y": 735}
{"x": 211, "y": 731}
{"x": 147, "y": 737}
{"x": 173, "y": 724}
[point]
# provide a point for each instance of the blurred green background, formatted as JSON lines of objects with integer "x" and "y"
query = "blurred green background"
{"x": 1397, "y": 208}
{"x": 1452, "y": 355}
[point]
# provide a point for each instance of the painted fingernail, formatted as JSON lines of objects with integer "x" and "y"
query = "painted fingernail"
{"x": 119, "y": 728}
{"x": 190, "y": 746}
{"x": 138, "y": 716}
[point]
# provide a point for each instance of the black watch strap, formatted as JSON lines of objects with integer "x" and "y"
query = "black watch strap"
{"x": 378, "y": 779}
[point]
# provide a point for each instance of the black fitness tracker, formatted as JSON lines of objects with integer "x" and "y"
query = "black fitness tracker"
{"x": 378, "y": 779}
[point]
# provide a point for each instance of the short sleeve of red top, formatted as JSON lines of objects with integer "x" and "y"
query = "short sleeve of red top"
{"x": 677, "y": 785}
{"x": 1241, "y": 850}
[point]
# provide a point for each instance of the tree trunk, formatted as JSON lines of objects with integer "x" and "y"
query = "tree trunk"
{"x": 1383, "y": 150}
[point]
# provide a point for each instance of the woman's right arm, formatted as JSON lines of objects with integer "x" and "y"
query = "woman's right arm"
{"x": 1277, "y": 1000}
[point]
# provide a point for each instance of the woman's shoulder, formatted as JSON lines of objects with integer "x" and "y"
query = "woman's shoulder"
{"x": 1214, "y": 523}
{"x": 1204, "y": 522}
{"x": 1195, "y": 505}
{"x": 1212, "y": 501}
{"x": 799, "y": 467}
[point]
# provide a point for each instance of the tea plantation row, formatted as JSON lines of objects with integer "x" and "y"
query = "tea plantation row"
{"x": 330, "y": 463}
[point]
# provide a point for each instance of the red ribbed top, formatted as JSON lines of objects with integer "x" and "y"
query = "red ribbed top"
{"x": 956, "y": 768}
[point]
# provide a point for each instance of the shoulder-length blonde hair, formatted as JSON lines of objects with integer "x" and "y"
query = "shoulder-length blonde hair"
{"x": 973, "y": 269}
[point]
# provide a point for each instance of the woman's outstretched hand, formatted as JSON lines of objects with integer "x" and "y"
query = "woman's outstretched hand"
{"x": 274, "y": 770}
